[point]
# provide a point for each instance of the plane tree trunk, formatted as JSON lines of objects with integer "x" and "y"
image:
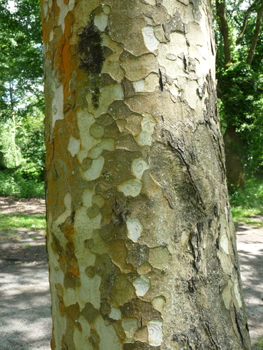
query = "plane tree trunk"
{"x": 141, "y": 243}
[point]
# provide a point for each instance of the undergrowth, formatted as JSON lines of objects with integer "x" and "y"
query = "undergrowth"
{"x": 258, "y": 345}
{"x": 13, "y": 184}
{"x": 247, "y": 204}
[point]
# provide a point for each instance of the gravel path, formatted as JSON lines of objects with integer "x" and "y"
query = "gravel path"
{"x": 250, "y": 251}
{"x": 25, "y": 317}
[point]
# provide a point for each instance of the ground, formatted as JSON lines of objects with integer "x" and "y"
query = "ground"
{"x": 25, "y": 317}
{"x": 250, "y": 249}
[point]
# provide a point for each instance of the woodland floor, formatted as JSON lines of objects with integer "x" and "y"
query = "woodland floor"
{"x": 25, "y": 317}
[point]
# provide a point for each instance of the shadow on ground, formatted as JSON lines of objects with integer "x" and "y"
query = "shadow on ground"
{"x": 25, "y": 316}
{"x": 250, "y": 250}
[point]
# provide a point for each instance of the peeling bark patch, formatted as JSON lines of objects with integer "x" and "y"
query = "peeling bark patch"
{"x": 130, "y": 187}
{"x": 155, "y": 332}
{"x": 149, "y": 38}
{"x": 92, "y": 58}
{"x": 142, "y": 285}
{"x": 175, "y": 25}
{"x": 135, "y": 229}
{"x": 130, "y": 326}
{"x": 159, "y": 257}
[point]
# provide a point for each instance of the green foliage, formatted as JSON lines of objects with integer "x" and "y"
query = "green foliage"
{"x": 242, "y": 107}
{"x": 21, "y": 96}
{"x": 258, "y": 345}
{"x": 251, "y": 197}
{"x": 240, "y": 85}
{"x": 13, "y": 184}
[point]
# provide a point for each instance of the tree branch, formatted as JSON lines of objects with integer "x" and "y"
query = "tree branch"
{"x": 255, "y": 36}
{"x": 244, "y": 26}
{"x": 221, "y": 13}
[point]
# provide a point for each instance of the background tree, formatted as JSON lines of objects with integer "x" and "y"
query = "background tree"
{"x": 22, "y": 148}
{"x": 239, "y": 73}
{"x": 140, "y": 237}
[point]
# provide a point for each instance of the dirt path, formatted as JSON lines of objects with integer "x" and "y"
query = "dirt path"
{"x": 25, "y": 318}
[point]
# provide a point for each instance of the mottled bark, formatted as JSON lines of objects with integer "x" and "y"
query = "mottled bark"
{"x": 141, "y": 243}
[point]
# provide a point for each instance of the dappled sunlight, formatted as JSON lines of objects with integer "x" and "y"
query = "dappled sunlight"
{"x": 25, "y": 307}
{"x": 250, "y": 250}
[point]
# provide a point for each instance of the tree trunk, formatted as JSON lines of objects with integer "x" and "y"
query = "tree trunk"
{"x": 141, "y": 244}
{"x": 234, "y": 167}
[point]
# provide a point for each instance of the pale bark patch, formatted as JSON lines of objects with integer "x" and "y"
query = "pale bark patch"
{"x": 67, "y": 212}
{"x": 224, "y": 242}
{"x": 159, "y": 257}
{"x": 151, "y": 2}
{"x": 130, "y": 326}
{"x": 106, "y": 9}
{"x": 64, "y": 9}
{"x": 159, "y": 302}
{"x": 144, "y": 268}
{"x": 108, "y": 337}
{"x": 237, "y": 293}
{"x": 101, "y": 21}
{"x": 190, "y": 94}
{"x": 73, "y": 146}
{"x": 142, "y": 285}
{"x": 115, "y": 313}
{"x": 155, "y": 332}
{"x": 131, "y": 187}
{"x": 81, "y": 337}
{"x": 149, "y": 37}
{"x": 84, "y": 225}
{"x": 87, "y": 198}
{"x": 149, "y": 84}
{"x": 227, "y": 297}
{"x": 108, "y": 94}
{"x": 147, "y": 124}
{"x": 139, "y": 165}
{"x": 85, "y": 120}
{"x": 106, "y": 144}
{"x": 57, "y": 105}
{"x": 95, "y": 170}
{"x": 88, "y": 292}
{"x": 135, "y": 229}
{"x": 137, "y": 68}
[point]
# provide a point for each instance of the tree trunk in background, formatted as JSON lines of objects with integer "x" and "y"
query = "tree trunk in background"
{"x": 141, "y": 244}
{"x": 234, "y": 167}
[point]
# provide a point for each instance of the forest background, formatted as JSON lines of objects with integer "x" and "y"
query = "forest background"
{"x": 239, "y": 38}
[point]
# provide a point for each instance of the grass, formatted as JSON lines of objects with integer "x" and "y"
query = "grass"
{"x": 258, "y": 345}
{"x": 15, "y": 221}
{"x": 246, "y": 215}
{"x": 247, "y": 204}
